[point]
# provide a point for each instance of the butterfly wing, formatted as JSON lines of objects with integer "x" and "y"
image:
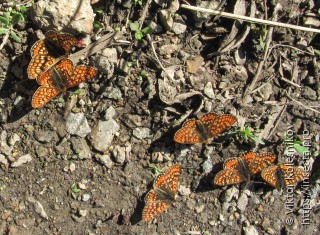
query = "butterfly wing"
{"x": 38, "y": 48}
{"x": 172, "y": 177}
{"x": 293, "y": 174}
{"x": 231, "y": 163}
{"x": 258, "y": 162}
{"x": 39, "y": 64}
{"x": 228, "y": 177}
{"x": 189, "y": 134}
{"x": 80, "y": 74}
{"x": 218, "y": 124}
{"x": 63, "y": 40}
{"x": 43, "y": 95}
{"x": 270, "y": 176}
{"x": 153, "y": 208}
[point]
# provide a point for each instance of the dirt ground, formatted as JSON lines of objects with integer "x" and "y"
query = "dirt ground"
{"x": 62, "y": 185}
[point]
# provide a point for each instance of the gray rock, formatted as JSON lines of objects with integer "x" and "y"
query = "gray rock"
{"x": 309, "y": 93}
{"x": 184, "y": 191}
{"x": 81, "y": 148}
{"x": 250, "y": 230}
{"x": 3, "y": 160}
{"x": 141, "y": 133}
{"x": 22, "y": 160}
{"x": 38, "y": 207}
{"x": 207, "y": 165}
{"x": 112, "y": 93}
{"x": 45, "y": 136}
{"x": 119, "y": 154}
{"x": 208, "y": 90}
{"x": 105, "y": 160}
{"x": 242, "y": 202}
{"x": 166, "y": 19}
{"x": 110, "y": 113}
{"x": 179, "y": 26}
{"x": 103, "y": 133}
{"x": 229, "y": 194}
{"x": 74, "y": 16}
{"x": 104, "y": 61}
{"x": 77, "y": 124}
{"x": 86, "y": 197}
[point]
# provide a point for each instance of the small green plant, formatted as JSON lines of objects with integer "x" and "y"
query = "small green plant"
{"x": 156, "y": 170}
{"x": 246, "y": 134}
{"x": 259, "y": 32}
{"x": 139, "y": 34}
{"x": 143, "y": 74}
{"x": 137, "y": 2}
{"x": 74, "y": 190}
{"x": 297, "y": 146}
{"x": 8, "y": 20}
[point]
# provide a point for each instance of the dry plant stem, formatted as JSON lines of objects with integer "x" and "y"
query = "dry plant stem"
{"x": 155, "y": 54}
{"x": 250, "y": 19}
{"x": 277, "y": 120}
{"x": 5, "y": 39}
{"x": 260, "y": 66}
{"x": 144, "y": 14}
{"x": 292, "y": 47}
{"x": 102, "y": 43}
{"x": 303, "y": 105}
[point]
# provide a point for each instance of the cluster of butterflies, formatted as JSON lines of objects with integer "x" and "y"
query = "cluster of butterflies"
{"x": 55, "y": 73}
{"x": 236, "y": 170}
{"x": 52, "y": 69}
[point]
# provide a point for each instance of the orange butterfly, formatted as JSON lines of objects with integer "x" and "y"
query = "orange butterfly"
{"x": 49, "y": 51}
{"x": 58, "y": 78}
{"x": 163, "y": 194}
{"x": 280, "y": 176}
{"x": 203, "y": 129}
{"x": 238, "y": 170}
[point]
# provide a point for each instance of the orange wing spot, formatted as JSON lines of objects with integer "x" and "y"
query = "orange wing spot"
{"x": 167, "y": 185}
{"x": 203, "y": 129}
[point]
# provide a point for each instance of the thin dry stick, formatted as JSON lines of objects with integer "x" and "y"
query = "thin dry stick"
{"x": 267, "y": 44}
{"x": 303, "y": 105}
{"x": 144, "y": 14}
{"x": 102, "y": 43}
{"x": 5, "y": 39}
{"x": 250, "y": 19}
{"x": 157, "y": 58}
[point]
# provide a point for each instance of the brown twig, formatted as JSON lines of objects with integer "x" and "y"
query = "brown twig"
{"x": 103, "y": 42}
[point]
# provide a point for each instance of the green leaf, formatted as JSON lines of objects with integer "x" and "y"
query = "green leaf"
{"x": 23, "y": 9}
{"x": 257, "y": 140}
{"x": 16, "y": 18}
{"x": 143, "y": 73}
{"x": 99, "y": 10}
{"x": 97, "y": 25}
{"x": 15, "y": 37}
{"x": 74, "y": 188}
{"x": 317, "y": 52}
{"x": 4, "y": 20}
{"x": 138, "y": 35}
{"x": 147, "y": 30}
{"x": 300, "y": 148}
{"x": 134, "y": 26}
{"x": 6, "y": 15}
{"x": 3, "y": 31}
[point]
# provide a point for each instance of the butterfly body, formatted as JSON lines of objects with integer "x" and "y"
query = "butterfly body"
{"x": 238, "y": 170}
{"x": 163, "y": 194}
{"x": 280, "y": 176}
{"x": 203, "y": 129}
